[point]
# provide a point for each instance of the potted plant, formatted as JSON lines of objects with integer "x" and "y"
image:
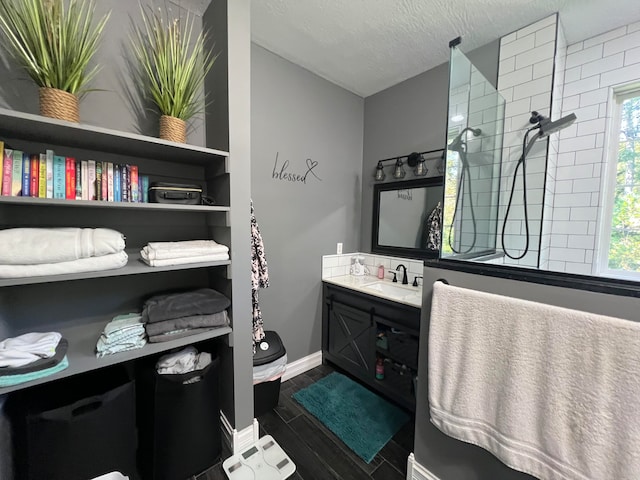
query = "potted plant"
{"x": 172, "y": 66}
{"x": 54, "y": 41}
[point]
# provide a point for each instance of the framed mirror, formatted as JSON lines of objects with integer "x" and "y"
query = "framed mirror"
{"x": 407, "y": 218}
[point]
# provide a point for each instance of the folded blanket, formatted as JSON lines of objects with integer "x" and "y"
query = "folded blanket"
{"x": 126, "y": 337}
{"x": 123, "y": 323}
{"x": 132, "y": 343}
{"x": 34, "y": 246}
{"x": 219, "y": 319}
{"x": 92, "y": 264}
{"x": 216, "y": 257}
{"x": 9, "y": 380}
{"x": 25, "y": 349}
{"x": 189, "y": 248}
{"x": 38, "y": 365}
{"x": 204, "y": 301}
{"x": 178, "y": 334}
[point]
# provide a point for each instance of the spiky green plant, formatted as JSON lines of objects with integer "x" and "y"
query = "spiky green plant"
{"x": 52, "y": 41}
{"x": 172, "y": 64}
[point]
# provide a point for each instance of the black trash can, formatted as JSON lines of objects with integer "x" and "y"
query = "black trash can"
{"x": 77, "y": 428}
{"x": 268, "y": 366}
{"x": 178, "y": 421}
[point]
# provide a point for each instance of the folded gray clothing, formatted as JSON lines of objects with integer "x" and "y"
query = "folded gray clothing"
{"x": 42, "y": 364}
{"x": 204, "y": 301}
{"x": 219, "y": 319}
{"x": 178, "y": 334}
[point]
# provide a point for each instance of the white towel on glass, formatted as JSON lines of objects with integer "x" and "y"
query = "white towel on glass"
{"x": 550, "y": 391}
{"x": 25, "y": 349}
{"x": 32, "y": 246}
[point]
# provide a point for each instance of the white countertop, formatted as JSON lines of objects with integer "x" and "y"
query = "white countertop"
{"x": 361, "y": 283}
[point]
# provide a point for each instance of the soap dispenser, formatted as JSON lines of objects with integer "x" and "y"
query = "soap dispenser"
{"x": 381, "y": 272}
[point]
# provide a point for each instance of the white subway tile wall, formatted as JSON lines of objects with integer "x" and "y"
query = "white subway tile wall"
{"x": 527, "y": 86}
{"x": 338, "y": 265}
{"x": 594, "y": 67}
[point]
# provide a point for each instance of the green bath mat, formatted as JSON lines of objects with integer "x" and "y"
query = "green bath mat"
{"x": 361, "y": 419}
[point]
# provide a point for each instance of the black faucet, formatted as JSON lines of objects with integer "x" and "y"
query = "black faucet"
{"x": 415, "y": 280}
{"x": 405, "y": 281}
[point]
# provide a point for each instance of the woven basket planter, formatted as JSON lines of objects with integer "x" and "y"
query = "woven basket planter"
{"x": 173, "y": 129}
{"x": 59, "y": 104}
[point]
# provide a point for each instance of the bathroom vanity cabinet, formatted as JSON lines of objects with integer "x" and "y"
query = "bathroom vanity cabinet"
{"x": 358, "y": 329}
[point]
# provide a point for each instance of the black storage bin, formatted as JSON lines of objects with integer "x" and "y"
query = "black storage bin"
{"x": 178, "y": 421}
{"x": 77, "y": 428}
{"x": 265, "y": 394}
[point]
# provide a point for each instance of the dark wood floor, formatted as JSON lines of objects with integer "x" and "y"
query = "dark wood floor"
{"x": 317, "y": 452}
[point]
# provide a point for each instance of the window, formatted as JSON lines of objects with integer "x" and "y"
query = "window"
{"x": 621, "y": 235}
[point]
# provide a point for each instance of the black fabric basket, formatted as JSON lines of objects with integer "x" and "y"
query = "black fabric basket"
{"x": 179, "y": 423}
{"x": 77, "y": 428}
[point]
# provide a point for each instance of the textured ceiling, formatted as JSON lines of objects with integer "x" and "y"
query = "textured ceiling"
{"x": 368, "y": 45}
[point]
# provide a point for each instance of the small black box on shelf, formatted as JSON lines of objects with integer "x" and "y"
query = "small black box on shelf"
{"x": 76, "y": 428}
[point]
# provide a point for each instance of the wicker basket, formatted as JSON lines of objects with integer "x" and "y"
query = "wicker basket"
{"x": 59, "y": 104}
{"x": 173, "y": 129}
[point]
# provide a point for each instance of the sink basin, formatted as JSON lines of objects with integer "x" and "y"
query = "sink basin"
{"x": 391, "y": 290}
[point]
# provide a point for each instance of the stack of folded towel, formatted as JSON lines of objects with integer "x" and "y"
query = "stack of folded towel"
{"x": 30, "y": 252}
{"x": 124, "y": 332}
{"x": 176, "y": 315}
{"x": 161, "y": 254}
{"x": 31, "y": 356}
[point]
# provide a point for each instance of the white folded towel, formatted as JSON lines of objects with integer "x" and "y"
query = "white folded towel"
{"x": 217, "y": 257}
{"x": 549, "y": 391}
{"x": 189, "y": 248}
{"x": 32, "y": 246}
{"x": 91, "y": 264}
{"x": 25, "y": 349}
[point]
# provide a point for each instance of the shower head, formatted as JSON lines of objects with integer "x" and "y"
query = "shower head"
{"x": 547, "y": 127}
{"x": 457, "y": 142}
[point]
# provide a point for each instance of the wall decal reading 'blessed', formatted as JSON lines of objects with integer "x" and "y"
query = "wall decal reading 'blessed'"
{"x": 282, "y": 172}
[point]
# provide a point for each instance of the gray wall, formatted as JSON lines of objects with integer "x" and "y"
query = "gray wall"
{"x": 410, "y": 117}
{"x": 446, "y": 457}
{"x": 303, "y": 119}
{"x": 118, "y": 104}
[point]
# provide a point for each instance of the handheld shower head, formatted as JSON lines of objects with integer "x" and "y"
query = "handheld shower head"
{"x": 456, "y": 143}
{"x": 547, "y": 127}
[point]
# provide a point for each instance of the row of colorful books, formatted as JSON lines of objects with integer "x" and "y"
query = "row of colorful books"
{"x": 46, "y": 175}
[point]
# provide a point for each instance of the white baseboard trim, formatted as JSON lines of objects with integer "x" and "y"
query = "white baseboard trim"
{"x": 302, "y": 365}
{"x": 415, "y": 471}
{"x": 238, "y": 441}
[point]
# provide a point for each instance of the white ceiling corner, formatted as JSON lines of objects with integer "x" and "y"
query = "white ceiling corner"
{"x": 366, "y": 46}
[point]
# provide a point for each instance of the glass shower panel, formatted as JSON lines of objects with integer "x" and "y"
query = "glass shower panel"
{"x": 475, "y": 129}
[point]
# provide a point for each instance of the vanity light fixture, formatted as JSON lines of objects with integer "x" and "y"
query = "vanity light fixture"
{"x": 415, "y": 160}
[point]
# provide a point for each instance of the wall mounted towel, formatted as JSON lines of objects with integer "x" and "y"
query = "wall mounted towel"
{"x": 549, "y": 391}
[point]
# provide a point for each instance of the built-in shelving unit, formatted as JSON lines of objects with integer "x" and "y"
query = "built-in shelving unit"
{"x": 79, "y": 305}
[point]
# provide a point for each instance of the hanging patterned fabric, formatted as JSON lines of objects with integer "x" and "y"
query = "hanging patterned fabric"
{"x": 259, "y": 276}
{"x": 434, "y": 226}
